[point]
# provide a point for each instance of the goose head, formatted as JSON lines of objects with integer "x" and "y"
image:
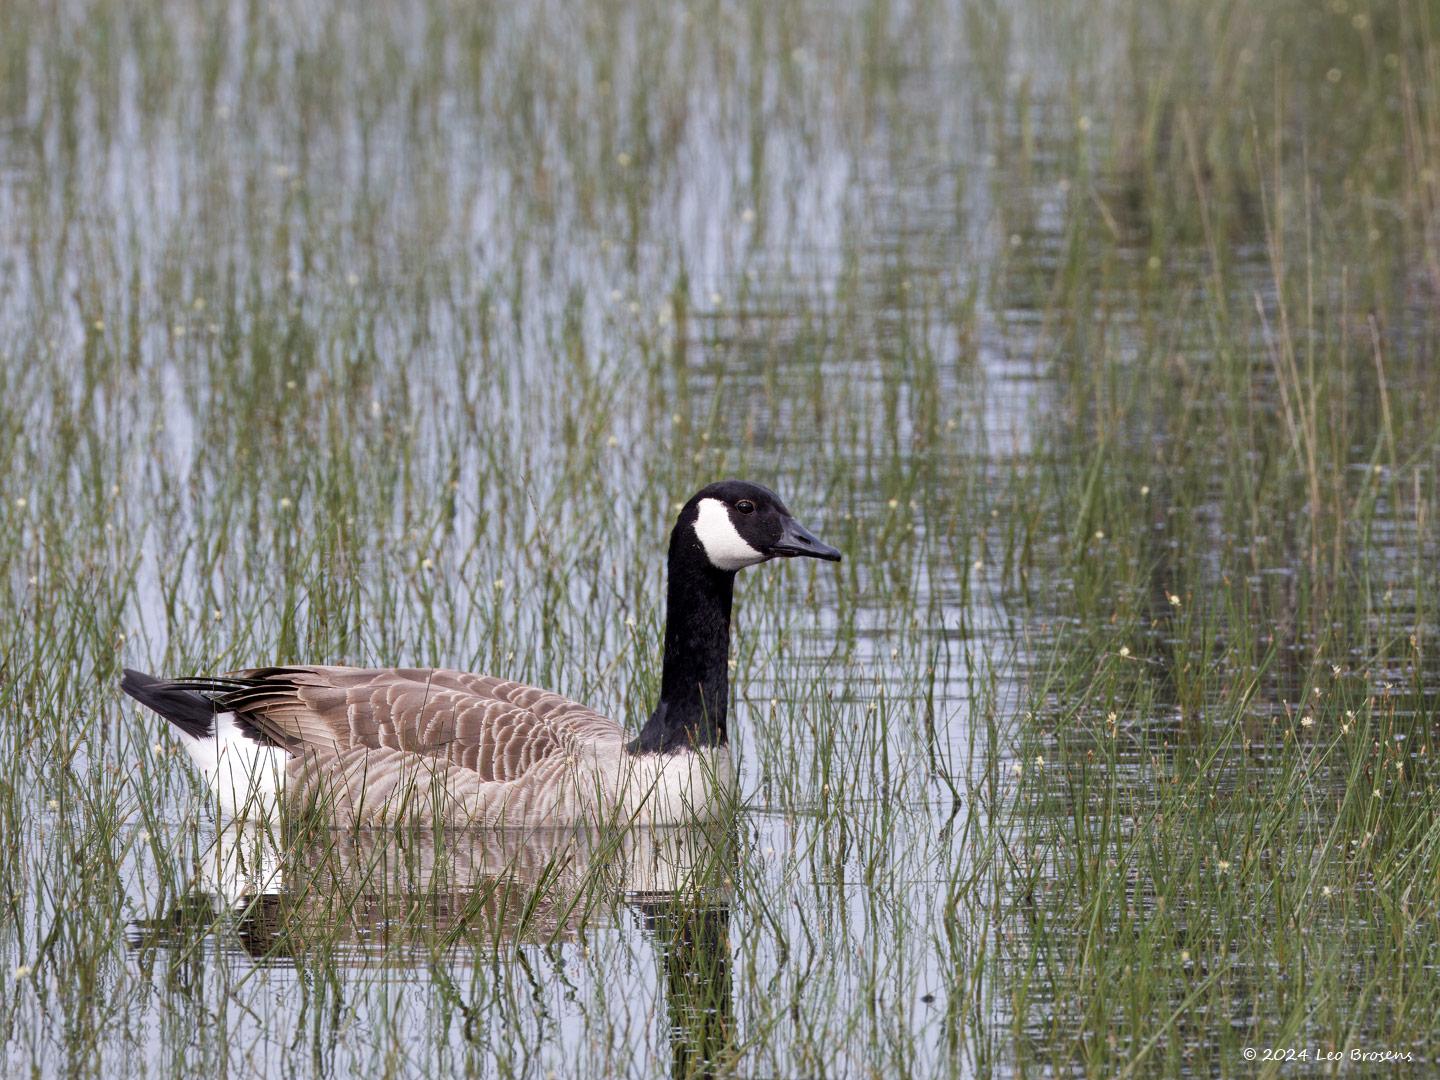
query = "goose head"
{"x": 734, "y": 524}
{"x": 722, "y": 529}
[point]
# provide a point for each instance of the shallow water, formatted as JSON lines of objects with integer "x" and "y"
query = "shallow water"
{"x": 394, "y": 337}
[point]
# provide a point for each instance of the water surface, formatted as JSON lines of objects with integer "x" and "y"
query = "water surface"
{"x": 1099, "y": 336}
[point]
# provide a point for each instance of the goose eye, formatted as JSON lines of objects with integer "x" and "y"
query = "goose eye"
{"x": 745, "y": 506}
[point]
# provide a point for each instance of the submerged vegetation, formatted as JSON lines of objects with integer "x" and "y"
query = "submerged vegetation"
{"x": 1099, "y": 335}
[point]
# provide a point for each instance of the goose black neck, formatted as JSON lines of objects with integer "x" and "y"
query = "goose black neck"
{"x": 695, "y": 682}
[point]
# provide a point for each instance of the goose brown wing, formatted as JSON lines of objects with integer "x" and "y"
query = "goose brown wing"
{"x": 497, "y": 728}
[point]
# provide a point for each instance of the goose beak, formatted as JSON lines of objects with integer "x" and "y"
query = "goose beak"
{"x": 795, "y": 540}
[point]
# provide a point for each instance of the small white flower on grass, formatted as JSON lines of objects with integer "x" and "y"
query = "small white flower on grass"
{"x": 1099, "y": 534}
{"x": 24, "y": 971}
{"x": 1307, "y": 721}
{"x": 893, "y": 503}
{"x": 1223, "y": 866}
{"x": 747, "y": 216}
{"x": 623, "y": 159}
{"x": 1039, "y": 762}
{"x": 159, "y": 749}
{"x": 1124, "y": 651}
{"x": 21, "y": 503}
{"x": 1017, "y": 769}
{"x": 499, "y": 584}
{"x": 1325, "y": 891}
{"x": 716, "y": 299}
{"x": 1144, "y": 490}
{"x": 1184, "y": 956}
{"x": 427, "y": 563}
{"x": 285, "y": 503}
{"x": 1174, "y": 600}
{"x": 613, "y": 440}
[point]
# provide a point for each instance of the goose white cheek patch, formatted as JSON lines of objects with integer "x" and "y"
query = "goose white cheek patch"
{"x": 724, "y": 546}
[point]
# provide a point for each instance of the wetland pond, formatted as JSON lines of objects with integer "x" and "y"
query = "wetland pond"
{"x": 1100, "y": 336}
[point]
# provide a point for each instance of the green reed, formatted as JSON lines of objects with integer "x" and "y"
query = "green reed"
{"x": 1097, "y": 337}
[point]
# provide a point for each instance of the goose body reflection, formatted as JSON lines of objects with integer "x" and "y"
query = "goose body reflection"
{"x": 405, "y": 897}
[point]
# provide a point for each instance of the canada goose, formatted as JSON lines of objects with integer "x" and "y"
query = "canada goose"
{"x": 382, "y": 746}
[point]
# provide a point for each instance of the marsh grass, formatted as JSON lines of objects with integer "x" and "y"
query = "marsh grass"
{"x": 1099, "y": 336}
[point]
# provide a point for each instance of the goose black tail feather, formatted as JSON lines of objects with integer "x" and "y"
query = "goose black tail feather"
{"x": 190, "y": 711}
